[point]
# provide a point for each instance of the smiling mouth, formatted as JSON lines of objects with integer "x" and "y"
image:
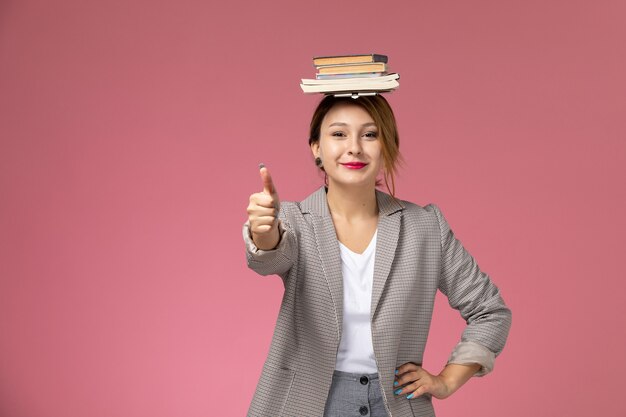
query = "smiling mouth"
{"x": 354, "y": 165}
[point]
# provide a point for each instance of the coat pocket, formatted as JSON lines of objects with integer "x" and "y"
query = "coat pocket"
{"x": 272, "y": 392}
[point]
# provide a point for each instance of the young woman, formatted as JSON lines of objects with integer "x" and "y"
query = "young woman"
{"x": 361, "y": 270}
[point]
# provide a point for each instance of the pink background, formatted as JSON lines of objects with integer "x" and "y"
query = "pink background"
{"x": 130, "y": 133}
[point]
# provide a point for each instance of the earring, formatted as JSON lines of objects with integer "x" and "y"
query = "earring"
{"x": 318, "y": 162}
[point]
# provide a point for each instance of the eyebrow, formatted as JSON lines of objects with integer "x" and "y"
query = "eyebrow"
{"x": 345, "y": 124}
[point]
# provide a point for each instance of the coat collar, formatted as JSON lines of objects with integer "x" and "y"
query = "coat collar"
{"x": 389, "y": 221}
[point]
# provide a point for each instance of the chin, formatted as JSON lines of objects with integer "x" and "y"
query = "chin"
{"x": 355, "y": 183}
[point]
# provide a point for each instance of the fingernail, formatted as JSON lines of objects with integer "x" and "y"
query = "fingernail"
{"x": 398, "y": 391}
{"x": 395, "y": 384}
{"x": 409, "y": 396}
{"x": 261, "y": 165}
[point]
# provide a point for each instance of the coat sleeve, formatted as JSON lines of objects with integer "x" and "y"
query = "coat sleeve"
{"x": 472, "y": 292}
{"x": 275, "y": 261}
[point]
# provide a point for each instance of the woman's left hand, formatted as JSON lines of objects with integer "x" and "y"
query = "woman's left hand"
{"x": 413, "y": 380}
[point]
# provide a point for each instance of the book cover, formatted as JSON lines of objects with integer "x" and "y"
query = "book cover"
{"x": 354, "y": 79}
{"x": 348, "y": 59}
{"x": 349, "y": 75}
{"x": 350, "y": 87}
{"x": 352, "y": 68}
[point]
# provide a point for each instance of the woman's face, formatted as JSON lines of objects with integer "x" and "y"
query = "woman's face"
{"x": 349, "y": 146}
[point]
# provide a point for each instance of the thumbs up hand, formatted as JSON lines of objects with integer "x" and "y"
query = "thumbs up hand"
{"x": 263, "y": 213}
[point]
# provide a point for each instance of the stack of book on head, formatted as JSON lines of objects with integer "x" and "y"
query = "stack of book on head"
{"x": 351, "y": 75}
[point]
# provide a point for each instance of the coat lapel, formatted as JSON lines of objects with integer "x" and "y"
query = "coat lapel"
{"x": 328, "y": 247}
{"x": 389, "y": 220}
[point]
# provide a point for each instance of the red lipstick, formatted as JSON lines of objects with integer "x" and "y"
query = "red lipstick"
{"x": 354, "y": 165}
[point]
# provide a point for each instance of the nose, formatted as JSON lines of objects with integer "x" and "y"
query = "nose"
{"x": 354, "y": 145}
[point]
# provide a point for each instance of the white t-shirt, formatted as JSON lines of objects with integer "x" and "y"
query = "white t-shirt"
{"x": 356, "y": 351}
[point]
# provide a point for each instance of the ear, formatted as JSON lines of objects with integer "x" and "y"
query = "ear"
{"x": 315, "y": 148}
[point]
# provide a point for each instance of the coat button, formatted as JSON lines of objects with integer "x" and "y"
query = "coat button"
{"x": 364, "y": 380}
{"x": 363, "y": 410}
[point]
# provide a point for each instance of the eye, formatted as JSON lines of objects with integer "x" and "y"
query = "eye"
{"x": 371, "y": 135}
{"x": 337, "y": 134}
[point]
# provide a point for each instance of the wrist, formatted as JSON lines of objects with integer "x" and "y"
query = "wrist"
{"x": 453, "y": 376}
{"x": 268, "y": 240}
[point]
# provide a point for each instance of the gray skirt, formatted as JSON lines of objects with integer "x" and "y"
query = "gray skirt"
{"x": 355, "y": 395}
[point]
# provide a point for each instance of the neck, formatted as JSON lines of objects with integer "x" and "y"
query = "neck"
{"x": 352, "y": 203}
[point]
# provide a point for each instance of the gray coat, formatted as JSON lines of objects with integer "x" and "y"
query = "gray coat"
{"x": 416, "y": 255}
